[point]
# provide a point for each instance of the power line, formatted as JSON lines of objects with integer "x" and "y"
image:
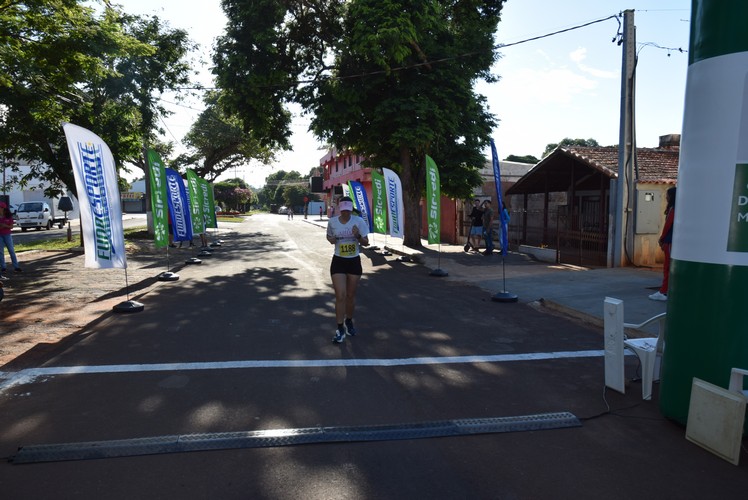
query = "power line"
{"x": 499, "y": 46}
{"x": 167, "y": 128}
{"x": 657, "y": 46}
{"x": 579, "y": 26}
{"x": 430, "y": 62}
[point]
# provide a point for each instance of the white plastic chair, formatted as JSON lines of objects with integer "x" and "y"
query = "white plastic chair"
{"x": 649, "y": 351}
{"x": 736, "y": 381}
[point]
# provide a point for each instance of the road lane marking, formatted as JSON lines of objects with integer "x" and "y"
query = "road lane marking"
{"x": 10, "y": 379}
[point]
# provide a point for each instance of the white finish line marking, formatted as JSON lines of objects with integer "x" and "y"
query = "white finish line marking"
{"x": 10, "y": 379}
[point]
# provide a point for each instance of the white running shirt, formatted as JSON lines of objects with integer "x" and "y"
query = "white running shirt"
{"x": 347, "y": 245}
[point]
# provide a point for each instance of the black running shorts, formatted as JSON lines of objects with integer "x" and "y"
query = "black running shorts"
{"x": 346, "y": 265}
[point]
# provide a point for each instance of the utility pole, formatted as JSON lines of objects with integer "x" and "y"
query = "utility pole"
{"x": 623, "y": 234}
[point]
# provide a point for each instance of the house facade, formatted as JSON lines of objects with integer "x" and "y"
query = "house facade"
{"x": 338, "y": 168}
{"x": 563, "y": 203}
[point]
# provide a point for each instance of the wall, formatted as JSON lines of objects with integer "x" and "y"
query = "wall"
{"x": 649, "y": 224}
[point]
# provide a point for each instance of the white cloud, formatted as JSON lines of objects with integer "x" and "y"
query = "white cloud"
{"x": 579, "y": 55}
{"x": 555, "y": 85}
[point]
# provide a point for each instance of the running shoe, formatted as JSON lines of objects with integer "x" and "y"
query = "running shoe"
{"x": 658, "y": 296}
{"x": 339, "y": 336}
{"x": 349, "y": 328}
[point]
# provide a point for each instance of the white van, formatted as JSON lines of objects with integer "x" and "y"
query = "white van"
{"x": 34, "y": 214}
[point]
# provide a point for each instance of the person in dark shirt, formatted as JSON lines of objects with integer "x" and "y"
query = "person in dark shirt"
{"x": 476, "y": 227}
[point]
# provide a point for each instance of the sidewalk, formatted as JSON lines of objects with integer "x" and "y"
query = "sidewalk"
{"x": 571, "y": 290}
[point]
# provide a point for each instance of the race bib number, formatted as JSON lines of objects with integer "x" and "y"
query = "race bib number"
{"x": 347, "y": 249}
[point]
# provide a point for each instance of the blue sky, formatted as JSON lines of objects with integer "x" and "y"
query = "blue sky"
{"x": 566, "y": 85}
{"x": 569, "y": 85}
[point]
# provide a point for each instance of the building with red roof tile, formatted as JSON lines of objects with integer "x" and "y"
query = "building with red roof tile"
{"x": 563, "y": 203}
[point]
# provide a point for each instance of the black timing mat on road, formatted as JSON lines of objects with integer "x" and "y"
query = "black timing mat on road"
{"x": 289, "y": 437}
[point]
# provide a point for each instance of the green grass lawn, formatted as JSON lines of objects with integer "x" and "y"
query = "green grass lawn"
{"x": 62, "y": 243}
{"x": 229, "y": 218}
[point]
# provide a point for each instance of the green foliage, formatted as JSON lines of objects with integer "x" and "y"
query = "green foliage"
{"x": 233, "y": 194}
{"x": 217, "y": 142}
{"x": 522, "y": 159}
{"x": 567, "y": 142}
{"x": 293, "y": 196}
{"x": 391, "y": 80}
{"x": 275, "y": 183}
{"x": 60, "y": 62}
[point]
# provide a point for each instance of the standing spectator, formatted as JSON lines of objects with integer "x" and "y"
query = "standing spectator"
{"x": 487, "y": 229}
{"x": 476, "y": 227}
{"x": 348, "y": 233}
{"x": 666, "y": 243}
{"x": 6, "y": 239}
{"x": 289, "y": 213}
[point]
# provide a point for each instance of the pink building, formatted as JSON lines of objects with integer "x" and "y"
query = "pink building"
{"x": 340, "y": 167}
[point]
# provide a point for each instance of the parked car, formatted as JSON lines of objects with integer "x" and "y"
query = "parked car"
{"x": 34, "y": 214}
{"x": 13, "y": 211}
{"x": 283, "y": 210}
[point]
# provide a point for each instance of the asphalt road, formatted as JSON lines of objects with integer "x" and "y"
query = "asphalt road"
{"x": 242, "y": 343}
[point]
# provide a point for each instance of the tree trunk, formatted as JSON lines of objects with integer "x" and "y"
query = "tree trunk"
{"x": 412, "y": 178}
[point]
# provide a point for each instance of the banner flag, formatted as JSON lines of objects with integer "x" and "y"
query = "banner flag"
{"x": 361, "y": 201}
{"x": 196, "y": 202}
{"x": 159, "y": 204}
{"x": 179, "y": 206}
{"x": 433, "y": 201}
{"x": 503, "y": 214}
{"x": 209, "y": 204}
{"x": 379, "y": 202}
{"x": 346, "y": 190}
{"x": 394, "y": 202}
{"x": 98, "y": 193}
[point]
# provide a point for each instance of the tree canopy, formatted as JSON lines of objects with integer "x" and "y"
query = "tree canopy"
{"x": 233, "y": 194}
{"x": 522, "y": 159}
{"x": 62, "y": 62}
{"x": 216, "y": 142}
{"x": 570, "y": 142}
{"x": 391, "y": 80}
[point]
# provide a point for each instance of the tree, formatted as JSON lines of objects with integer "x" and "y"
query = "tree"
{"x": 400, "y": 85}
{"x": 522, "y": 159}
{"x": 275, "y": 184}
{"x": 293, "y": 195}
{"x": 570, "y": 143}
{"x": 233, "y": 194}
{"x": 217, "y": 143}
{"x": 61, "y": 62}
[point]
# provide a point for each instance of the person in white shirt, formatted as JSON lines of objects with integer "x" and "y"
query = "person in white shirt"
{"x": 348, "y": 233}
